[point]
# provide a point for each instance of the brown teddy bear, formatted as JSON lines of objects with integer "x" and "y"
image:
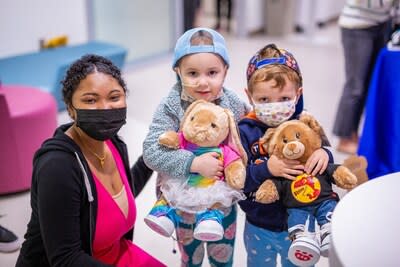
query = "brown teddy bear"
{"x": 307, "y": 197}
{"x": 205, "y": 128}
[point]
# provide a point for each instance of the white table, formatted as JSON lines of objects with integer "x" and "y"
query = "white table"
{"x": 366, "y": 225}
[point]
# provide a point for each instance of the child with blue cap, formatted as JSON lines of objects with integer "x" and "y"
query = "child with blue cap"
{"x": 201, "y": 63}
{"x": 275, "y": 90}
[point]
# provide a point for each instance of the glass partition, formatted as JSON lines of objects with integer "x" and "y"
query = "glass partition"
{"x": 145, "y": 27}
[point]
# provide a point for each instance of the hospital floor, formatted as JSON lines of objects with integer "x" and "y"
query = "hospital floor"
{"x": 321, "y": 62}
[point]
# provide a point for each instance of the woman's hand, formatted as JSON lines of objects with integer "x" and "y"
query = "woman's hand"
{"x": 317, "y": 162}
{"x": 286, "y": 168}
{"x": 208, "y": 165}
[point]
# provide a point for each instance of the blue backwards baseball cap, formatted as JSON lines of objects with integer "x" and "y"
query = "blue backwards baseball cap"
{"x": 183, "y": 46}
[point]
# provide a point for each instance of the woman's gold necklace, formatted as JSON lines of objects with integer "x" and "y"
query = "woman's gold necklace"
{"x": 101, "y": 159}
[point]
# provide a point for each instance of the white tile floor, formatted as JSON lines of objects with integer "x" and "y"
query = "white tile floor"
{"x": 321, "y": 62}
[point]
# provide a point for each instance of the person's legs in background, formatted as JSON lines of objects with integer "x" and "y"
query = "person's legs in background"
{"x": 229, "y": 4}
{"x": 9, "y": 242}
{"x": 360, "y": 47}
{"x": 218, "y": 4}
{"x": 223, "y": 9}
{"x": 190, "y": 13}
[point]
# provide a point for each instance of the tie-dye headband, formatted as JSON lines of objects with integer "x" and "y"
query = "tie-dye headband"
{"x": 286, "y": 58}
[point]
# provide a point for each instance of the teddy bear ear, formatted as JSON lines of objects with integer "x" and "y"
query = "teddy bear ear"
{"x": 234, "y": 138}
{"x": 266, "y": 138}
{"x": 311, "y": 122}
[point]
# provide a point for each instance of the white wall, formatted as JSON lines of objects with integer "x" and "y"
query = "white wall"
{"x": 24, "y": 22}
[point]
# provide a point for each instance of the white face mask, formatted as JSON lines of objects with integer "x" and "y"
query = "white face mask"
{"x": 273, "y": 114}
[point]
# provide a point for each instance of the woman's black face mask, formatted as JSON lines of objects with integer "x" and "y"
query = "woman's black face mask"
{"x": 101, "y": 124}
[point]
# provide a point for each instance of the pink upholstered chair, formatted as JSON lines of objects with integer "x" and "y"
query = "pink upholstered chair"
{"x": 28, "y": 116}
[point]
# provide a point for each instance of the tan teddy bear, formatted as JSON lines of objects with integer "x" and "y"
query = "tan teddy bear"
{"x": 205, "y": 128}
{"x": 307, "y": 197}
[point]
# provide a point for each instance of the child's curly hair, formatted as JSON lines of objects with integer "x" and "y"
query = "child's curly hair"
{"x": 84, "y": 66}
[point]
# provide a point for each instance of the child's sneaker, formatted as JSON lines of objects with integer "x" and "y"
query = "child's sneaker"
{"x": 160, "y": 219}
{"x": 209, "y": 226}
{"x": 9, "y": 242}
{"x": 304, "y": 250}
{"x": 325, "y": 236}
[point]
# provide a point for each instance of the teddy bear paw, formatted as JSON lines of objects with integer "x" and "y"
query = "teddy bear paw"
{"x": 235, "y": 174}
{"x": 265, "y": 197}
{"x": 344, "y": 178}
{"x": 169, "y": 139}
{"x": 237, "y": 183}
{"x": 267, "y": 192}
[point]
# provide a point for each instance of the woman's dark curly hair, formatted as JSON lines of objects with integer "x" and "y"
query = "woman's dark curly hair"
{"x": 84, "y": 66}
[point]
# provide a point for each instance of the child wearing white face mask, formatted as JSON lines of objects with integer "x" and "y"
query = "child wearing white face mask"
{"x": 275, "y": 92}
